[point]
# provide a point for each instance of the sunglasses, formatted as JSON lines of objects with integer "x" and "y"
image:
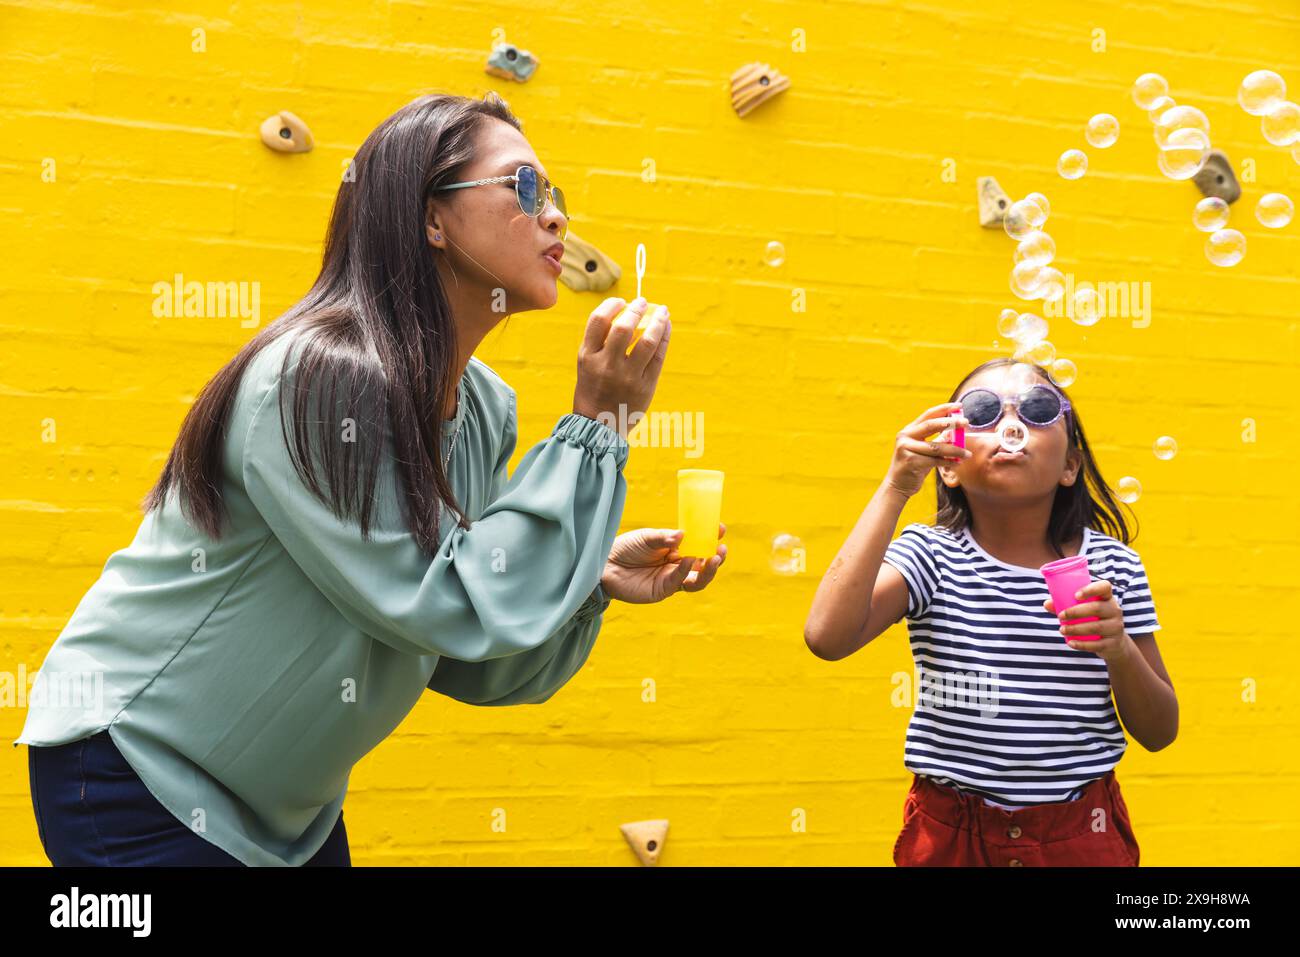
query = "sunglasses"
{"x": 1039, "y": 405}
{"x": 532, "y": 190}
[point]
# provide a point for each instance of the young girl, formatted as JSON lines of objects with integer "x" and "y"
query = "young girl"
{"x": 1014, "y": 739}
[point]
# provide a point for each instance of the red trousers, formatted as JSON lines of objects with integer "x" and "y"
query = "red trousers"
{"x": 945, "y": 827}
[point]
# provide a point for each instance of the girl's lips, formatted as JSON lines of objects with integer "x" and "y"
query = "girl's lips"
{"x": 1002, "y": 455}
{"x": 559, "y": 267}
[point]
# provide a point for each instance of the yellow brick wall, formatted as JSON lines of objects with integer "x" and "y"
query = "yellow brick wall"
{"x": 159, "y": 170}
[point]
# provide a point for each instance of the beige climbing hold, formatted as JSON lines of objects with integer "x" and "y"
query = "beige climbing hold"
{"x": 511, "y": 63}
{"x": 754, "y": 84}
{"x": 586, "y": 268}
{"x": 647, "y": 839}
{"x": 993, "y": 202}
{"x": 285, "y": 133}
{"x": 1216, "y": 178}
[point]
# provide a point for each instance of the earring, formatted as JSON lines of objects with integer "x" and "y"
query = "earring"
{"x": 437, "y": 235}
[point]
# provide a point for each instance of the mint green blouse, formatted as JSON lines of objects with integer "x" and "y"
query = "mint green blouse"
{"x": 243, "y": 678}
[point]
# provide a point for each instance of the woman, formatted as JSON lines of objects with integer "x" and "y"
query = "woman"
{"x": 335, "y": 531}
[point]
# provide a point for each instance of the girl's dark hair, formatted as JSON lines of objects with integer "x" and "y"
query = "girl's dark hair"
{"x": 379, "y": 342}
{"x": 1088, "y": 503}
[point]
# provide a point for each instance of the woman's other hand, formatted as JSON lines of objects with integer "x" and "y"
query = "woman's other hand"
{"x": 644, "y": 566}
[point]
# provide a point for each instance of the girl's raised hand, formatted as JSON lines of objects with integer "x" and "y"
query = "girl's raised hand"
{"x": 914, "y": 456}
{"x": 1114, "y": 641}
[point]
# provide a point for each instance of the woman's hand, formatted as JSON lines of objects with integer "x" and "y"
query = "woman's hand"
{"x": 914, "y": 457}
{"x": 1114, "y": 641}
{"x": 644, "y": 566}
{"x": 610, "y": 377}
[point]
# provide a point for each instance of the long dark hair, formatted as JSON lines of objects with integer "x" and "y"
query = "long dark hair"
{"x": 1088, "y": 503}
{"x": 379, "y": 341}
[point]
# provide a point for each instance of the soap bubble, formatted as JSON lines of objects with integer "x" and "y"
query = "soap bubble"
{"x": 1072, "y": 164}
{"x": 1051, "y": 285}
{"x": 1013, "y": 435}
{"x": 1159, "y": 106}
{"x": 1165, "y": 448}
{"x": 1274, "y": 210}
{"x": 1034, "y": 213}
{"x": 1225, "y": 247}
{"x": 1029, "y": 329}
{"x": 1063, "y": 373}
{"x": 1128, "y": 490}
{"x": 1102, "y": 131}
{"x": 1261, "y": 91}
{"x": 1023, "y": 218}
{"x": 1016, "y": 225}
{"x": 1281, "y": 125}
{"x": 788, "y": 555}
{"x": 1041, "y": 353}
{"x": 1026, "y": 277}
{"x": 774, "y": 254}
{"x": 1037, "y": 248}
{"x": 1087, "y": 305}
{"x": 1007, "y": 324}
{"x": 1183, "y": 153}
{"x": 1042, "y": 203}
{"x": 1148, "y": 88}
{"x": 1178, "y": 118}
{"x": 1211, "y": 214}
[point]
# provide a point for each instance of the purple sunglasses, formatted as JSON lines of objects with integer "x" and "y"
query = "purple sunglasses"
{"x": 1040, "y": 405}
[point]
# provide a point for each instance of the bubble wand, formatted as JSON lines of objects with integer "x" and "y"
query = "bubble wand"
{"x": 640, "y": 267}
{"x": 649, "y": 313}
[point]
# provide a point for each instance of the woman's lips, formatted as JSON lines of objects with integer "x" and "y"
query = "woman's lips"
{"x": 1002, "y": 455}
{"x": 559, "y": 267}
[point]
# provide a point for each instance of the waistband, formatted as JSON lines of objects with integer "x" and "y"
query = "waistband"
{"x": 954, "y": 807}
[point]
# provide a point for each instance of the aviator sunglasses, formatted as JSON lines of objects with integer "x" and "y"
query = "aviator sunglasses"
{"x": 1039, "y": 406}
{"x": 532, "y": 190}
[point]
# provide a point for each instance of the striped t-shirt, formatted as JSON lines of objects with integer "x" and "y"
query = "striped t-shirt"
{"x": 1005, "y": 708}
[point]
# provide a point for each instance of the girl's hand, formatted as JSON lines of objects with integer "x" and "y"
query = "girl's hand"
{"x": 644, "y": 566}
{"x": 1114, "y": 642}
{"x": 914, "y": 457}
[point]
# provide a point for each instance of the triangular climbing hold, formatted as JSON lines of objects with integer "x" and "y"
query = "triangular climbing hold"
{"x": 993, "y": 202}
{"x": 646, "y": 839}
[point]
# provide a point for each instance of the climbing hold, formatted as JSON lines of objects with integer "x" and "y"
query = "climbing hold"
{"x": 993, "y": 202}
{"x": 285, "y": 133}
{"x": 586, "y": 268}
{"x": 646, "y": 839}
{"x": 754, "y": 84}
{"x": 511, "y": 63}
{"x": 1216, "y": 178}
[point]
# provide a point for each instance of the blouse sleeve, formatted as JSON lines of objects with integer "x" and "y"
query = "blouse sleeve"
{"x": 500, "y": 588}
{"x": 530, "y": 677}
{"x": 913, "y": 556}
{"x": 1133, "y": 594}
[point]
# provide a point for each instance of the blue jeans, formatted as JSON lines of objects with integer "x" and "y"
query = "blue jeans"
{"x": 92, "y": 810}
